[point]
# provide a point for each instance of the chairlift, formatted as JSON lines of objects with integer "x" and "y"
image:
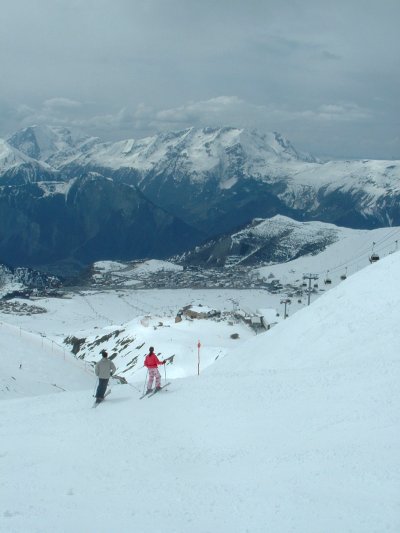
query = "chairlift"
{"x": 374, "y": 257}
{"x": 344, "y": 276}
{"x": 327, "y": 279}
{"x": 315, "y": 285}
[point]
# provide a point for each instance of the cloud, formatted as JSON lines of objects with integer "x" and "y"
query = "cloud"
{"x": 310, "y": 129}
{"x": 339, "y": 112}
{"x": 232, "y": 110}
{"x": 219, "y": 110}
{"x": 55, "y": 104}
{"x": 128, "y": 69}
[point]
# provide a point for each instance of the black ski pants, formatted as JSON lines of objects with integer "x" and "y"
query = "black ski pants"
{"x": 101, "y": 389}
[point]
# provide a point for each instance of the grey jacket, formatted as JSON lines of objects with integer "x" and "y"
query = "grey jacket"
{"x": 105, "y": 368}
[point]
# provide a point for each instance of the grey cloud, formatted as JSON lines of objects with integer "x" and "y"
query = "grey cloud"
{"x": 320, "y": 72}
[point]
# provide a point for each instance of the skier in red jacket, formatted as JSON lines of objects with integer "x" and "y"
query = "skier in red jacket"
{"x": 151, "y": 362}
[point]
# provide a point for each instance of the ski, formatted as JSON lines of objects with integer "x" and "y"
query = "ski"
{"x": 144, "y": 395}
{"x": 153, "y": 392}
{"x": 96, "y": 403}
{"x": 157, "y": 390}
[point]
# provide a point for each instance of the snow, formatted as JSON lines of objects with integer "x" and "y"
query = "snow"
{"x": 129, "y": 274}
{"x": 10, "y": 157}
{"x": 50, "y": 188}
{"x": 32, "y": 365}
{"x": 154, "y": 265}
{"x": 295, "y": 429}
{"x": 229, "y": 183}
{"x": 372, "y": 178}
{"x": 201, "y": 309}
{"x": 108, "y": 265}
{"x": 197, "y": 150}
{"x": 269, "y": 315}
{"x": 232, "y": 154}
{"x": 229, "y": 155}
{"x": 351, "y": 249}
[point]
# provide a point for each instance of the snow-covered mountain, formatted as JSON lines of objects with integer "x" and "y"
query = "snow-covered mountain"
{"x": 275, "y": 240}
{"x": 194, "y": 151}
{"x": 218, "y": 178}
{"x": 10, "y": 157}
{"x": 25, "y": 280}
{"x": 211, "y": 181}
{"x": 50, "y": 144}
{"x": 281, "y": 239}
{"x": 297, "y": 429}
{"x": 16, "y": 167}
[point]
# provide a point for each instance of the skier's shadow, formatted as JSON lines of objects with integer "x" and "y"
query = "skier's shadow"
{"x": 117, "y": 400}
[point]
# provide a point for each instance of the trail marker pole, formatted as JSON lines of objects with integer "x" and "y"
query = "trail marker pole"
{"x": 198, "y": 358}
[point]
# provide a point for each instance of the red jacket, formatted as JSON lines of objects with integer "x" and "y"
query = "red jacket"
{"x": 152, "y": 361}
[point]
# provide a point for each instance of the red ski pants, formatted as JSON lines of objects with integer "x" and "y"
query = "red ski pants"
{"x": 154, "y": 373}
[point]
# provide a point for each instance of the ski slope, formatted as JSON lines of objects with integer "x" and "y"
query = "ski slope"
{"x": 32, "y": 365}
{"x": 295, "y": 431}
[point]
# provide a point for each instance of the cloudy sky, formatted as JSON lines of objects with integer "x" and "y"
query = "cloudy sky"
{"x": 323, "y": 73}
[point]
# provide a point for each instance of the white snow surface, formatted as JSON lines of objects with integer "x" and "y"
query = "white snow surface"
{"x": 295, "y": 430}
{"x": 227, "y": 153}
{"x": 197, "y": 151}
{"x": 32, "y": 365}
{"x": 348, "y": 254}
{"x": 268, "y": 156}
{"x": 129, "y": 274}
{"x": 10, "y": 157}
{"x": 154, "y": 265}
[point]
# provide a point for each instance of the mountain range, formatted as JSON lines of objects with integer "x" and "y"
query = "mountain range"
{"x": 66, "y": 201}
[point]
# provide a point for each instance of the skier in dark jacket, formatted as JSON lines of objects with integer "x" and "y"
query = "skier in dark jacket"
{"x": 151, "y": 362}
{"x": 104, "y": 369}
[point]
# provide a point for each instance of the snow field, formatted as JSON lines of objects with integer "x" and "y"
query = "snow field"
{"x": 297, "y": 430}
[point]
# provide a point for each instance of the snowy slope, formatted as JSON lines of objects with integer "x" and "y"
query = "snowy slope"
{"x": 128, "y": 344}
{"x": 298, "y": 430}
{"x": 194, "y": 150}
{"x": 49, "y": 144}
{"x": 348, "y": 252}
{"x": 228, "y": 155}
{"x": 127, "y": 274}
{"x": 371, "y": 179}
{"x": 32, "y": 365}
{"x": 10, "y": 157}
{"x": 233, "y": 154}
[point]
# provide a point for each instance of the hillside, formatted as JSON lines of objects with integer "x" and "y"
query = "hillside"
{"x": 111, "y": 200}
{"x": 32, "y": 365}
{"x": 279, "y": 240}
{"x": 297, "y": 430}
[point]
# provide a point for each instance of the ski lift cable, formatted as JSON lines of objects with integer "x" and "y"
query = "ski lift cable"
{"x": 388, "y": 236}
{"x": 364, "y": 256}
{"x": 365, "y": 253}
{"x": 366, "y": 250}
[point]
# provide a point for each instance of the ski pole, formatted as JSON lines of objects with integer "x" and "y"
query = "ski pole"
{"x": 144, "y": 384}
{"x": 95, "y": 387}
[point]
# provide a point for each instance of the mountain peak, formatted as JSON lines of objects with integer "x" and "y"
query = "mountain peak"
{"x": 49, "y": 143}
{"x": 40, "y": 142}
